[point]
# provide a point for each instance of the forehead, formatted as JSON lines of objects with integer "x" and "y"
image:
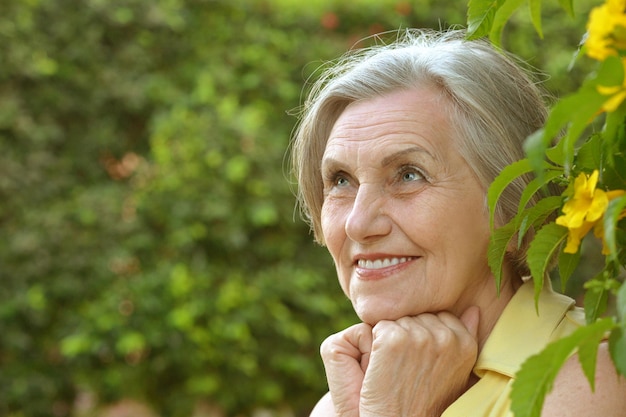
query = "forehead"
{"x": 396, "y": 120}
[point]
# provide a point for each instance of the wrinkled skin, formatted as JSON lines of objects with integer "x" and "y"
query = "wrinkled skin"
{"x": 405, "y": 221}
{"x": 412, "y": 366}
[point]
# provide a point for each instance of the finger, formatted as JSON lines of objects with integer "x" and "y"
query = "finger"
{"x": 346, "y": 356}
{"x": 390, "y": 335}
{"x": 442, "y": 329}
{"x": 354, "y": 343}
{"x": 419, "y": 362}
{"x": 467, "y": 323}
{"x": 470, "y": 319}
{"x": 360, "y": 336}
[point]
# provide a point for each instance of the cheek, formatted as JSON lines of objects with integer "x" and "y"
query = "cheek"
{"x": 333, "y": 229}
{"x": 473, "y": 232}
{"x": 457, "y": 225}
{"x": 334, "y": 237}
{"x": 479, "y": 218}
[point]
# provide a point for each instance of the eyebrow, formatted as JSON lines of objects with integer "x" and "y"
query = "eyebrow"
{"x": 388, "y": 160}
{"x": 329, "y": 164}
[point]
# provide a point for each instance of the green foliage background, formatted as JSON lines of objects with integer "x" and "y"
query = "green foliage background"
{"x": 150, "y": 245}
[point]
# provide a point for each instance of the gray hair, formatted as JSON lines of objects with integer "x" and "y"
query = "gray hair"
{"x": 493, "y": 106}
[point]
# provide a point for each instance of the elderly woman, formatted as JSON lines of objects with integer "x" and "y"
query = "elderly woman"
{"x": 394, "y": 152}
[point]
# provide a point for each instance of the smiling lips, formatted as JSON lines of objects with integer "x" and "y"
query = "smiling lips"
{"x": 382, "y": 263}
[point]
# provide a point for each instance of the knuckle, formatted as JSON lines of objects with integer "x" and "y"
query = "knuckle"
{"x": 346, "y": 341}
{"x": 389, "y": 333}
{"x": 329, "y": 347}
{"x": 445, "y": 337}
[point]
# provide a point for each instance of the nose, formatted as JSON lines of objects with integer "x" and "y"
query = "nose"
{"x": 368, "y": 219}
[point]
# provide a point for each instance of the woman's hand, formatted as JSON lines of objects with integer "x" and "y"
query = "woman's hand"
{"x": 414, "y": 366}
{"x": 346, "y": 357}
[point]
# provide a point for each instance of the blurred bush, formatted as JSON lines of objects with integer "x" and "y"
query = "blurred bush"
{"x": 150, "y": 246}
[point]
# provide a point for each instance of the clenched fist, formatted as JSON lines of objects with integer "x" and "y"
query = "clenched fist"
{"x": 414, "y": 366}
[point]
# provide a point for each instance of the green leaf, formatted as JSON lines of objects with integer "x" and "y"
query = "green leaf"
{"x": 480, "y": 16}
{"x": 617, "y": 348}
{"x": 587, "y": 354}
{"x": 614, "y": 173}
{"x": 498, "y": 243}
{"x": 621, "y": 304}
{"x": 541, "y": 250}
{"x": 535, "y": 14}
{"x": 537, "y": 143}
{"x": 588, "y": 107}
{"x": 611, "y": 217}
{"x": 589, "y": 156}
{"x": 502, "y": 15}
{"x": 614, "y": 123}
{"x": 585, "y": 104}
{"x": 536, "y": 215}
{"x": 575, "y": 111}
{"x": 501, "y": 237}
{"x": 536, "y": 376}
{"x": 568, "y": 6}
{"x": 556, "y": 155}
{"x": 610, "y": 73}
{"x": 595, "y": 302}
{"x": 598, "y": 290}
{"x": 567, "y": 265}
{"x": 535, "y": 185}
{"x": 506, "y": 177}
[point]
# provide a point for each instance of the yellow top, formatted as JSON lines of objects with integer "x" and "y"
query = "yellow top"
{"x": 518, "y": 334}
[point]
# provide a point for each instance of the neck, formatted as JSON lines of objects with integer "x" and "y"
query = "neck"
{"x": 492, "y": 305}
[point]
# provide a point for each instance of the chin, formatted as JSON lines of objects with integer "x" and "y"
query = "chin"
{"x": 372, "y": 317}
{"x": 372, "y": 309}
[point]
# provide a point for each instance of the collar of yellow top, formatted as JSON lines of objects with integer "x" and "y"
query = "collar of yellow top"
{"x": 521, "y": 330}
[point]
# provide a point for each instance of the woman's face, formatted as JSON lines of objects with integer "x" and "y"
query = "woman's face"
{"x": 403, "y": 217}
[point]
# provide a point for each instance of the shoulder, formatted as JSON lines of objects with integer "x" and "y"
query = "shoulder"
{"x": 324, "y": 407}
{"x": 572, "y": 396}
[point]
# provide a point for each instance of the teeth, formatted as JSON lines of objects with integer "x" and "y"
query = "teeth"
{"x": 381, "y": 263}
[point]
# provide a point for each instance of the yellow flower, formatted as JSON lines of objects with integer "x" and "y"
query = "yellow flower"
{"x": 585, "y": 209}
{"x": 606, "y": 36}
{"x": 598, "y": 229}
{"x": 587, "y": 204}
{"x": 606, "y": 30}
{"x": 575, "y": 235}
{"x": 617, "y": 93}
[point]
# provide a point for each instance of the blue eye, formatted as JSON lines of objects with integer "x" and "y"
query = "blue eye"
{"x": 411, "y": 174}
{"x": 341, "y": 181}
{"x": 336, "y": 180}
